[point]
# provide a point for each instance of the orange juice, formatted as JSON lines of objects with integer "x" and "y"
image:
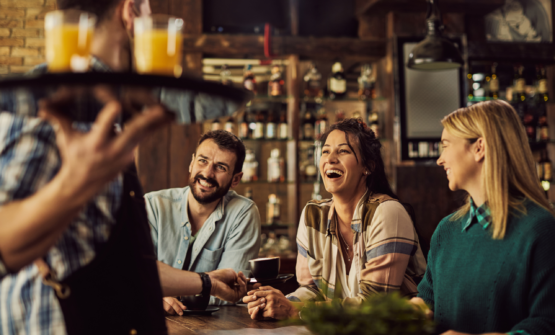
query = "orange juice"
{"x": 64, "y": 43}
{"x": 158, "y": 52}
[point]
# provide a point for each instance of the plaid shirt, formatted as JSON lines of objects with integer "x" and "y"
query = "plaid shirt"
{"x": 29, "y": 159}
{"x": 482, "y": 216}
{"x": 387, "y": 255}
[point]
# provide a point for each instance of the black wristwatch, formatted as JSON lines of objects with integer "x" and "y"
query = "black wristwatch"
{"x": 206, "y": 284}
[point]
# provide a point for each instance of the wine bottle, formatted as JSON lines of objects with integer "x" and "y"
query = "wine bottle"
{"x": 337, "y": 84}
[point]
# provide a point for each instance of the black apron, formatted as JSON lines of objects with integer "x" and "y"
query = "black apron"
{"x": 119, "y": 292}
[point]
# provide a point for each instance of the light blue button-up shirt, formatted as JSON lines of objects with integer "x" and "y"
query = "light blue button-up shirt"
{"x": 229, "y": 238}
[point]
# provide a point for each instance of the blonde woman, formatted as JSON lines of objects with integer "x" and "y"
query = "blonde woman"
{"x": 491, "y": 266}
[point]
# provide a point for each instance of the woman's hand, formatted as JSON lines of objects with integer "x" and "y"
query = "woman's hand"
{"x": 420, "y": 303}
{"x": 268, "y": 302}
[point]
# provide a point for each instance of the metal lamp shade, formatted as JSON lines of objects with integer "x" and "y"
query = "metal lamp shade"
{"x": 435, "y": 53}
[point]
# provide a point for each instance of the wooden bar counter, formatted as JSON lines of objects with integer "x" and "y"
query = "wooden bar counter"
{"x": 232, "y": 320}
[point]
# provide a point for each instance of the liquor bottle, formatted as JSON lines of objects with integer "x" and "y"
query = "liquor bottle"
{"x": 470, "y": 84}
{"x": 543, "y": 95}
{"x": 276, "y": 167}
{"x": 271, "y": 126}
{"x": 272, "y": 210}
{"x": 339, "y": 115}
{"x": 216, "y": 125}
{"x": 307, "y": 124}
{"x": 366, "y": 83}
{"x": 493, "y": 91}
{"x": 375, "y": 123}
{"x": 230, "y": 125}
{"x": 519, "y": 90}
{"x": 542, "y": 129}
{"x": 322, "y": 123}
{"x": 337, "y": 84}
{"x": 547, "y": 174}
{"x": 252, "y": 125}
{"x": 249, "y": 82}
{"x": 276, "y": 83}
{"x": 282, "y": 126}
{"x": 313, "y": 82}
{"x": 529, "y": 125}
{"x": 310, "y": 170}
{"x": 258, "y": 132}
{"x": 248, "y": 193}
{"x": 250, "y": 167}
{"x": 244, "y": 131}
{"x": 225, "y": 76}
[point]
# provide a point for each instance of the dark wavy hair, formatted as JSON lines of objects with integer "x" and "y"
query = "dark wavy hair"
{"x": 369, "y": 147}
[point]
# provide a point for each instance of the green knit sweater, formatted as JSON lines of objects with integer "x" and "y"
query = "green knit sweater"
{"x": 476, "y": 284}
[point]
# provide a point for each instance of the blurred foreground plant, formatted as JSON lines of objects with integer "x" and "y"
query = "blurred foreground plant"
{"x": 380, "y": 314}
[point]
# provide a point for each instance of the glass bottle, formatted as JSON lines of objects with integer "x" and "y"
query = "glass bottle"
{"x": 529, "y": 125}
{"x": 259, "y": 126}
{"x": 547, "y": 174}
{"x": 322, "y": 123}
{"x": 366, "y": 83}
{"x": 543, "y": 95}
{"x": 230, "y": 125}
{"x": 276, "y": 83}
{"x": 250, "y": 167}
{"x": 337, "y": 84}
{"x": 271, "y": 126}
{"x": 313, "y": 82}
{"x": 252, "y": 125}
{"x": 308, "y": 124}
{"x": 470, "y": 84}
{"x": 282, "y": 127}
{"x": 519, "y": 90}
{"x": 493, "y": 92}
{"x": 244, "y": 131}
{"x": 542, "y": 129}
{"x": 225, "y": 76}
{"x": 375, "y": 123}
{"x": 272, "y": 210}
{"x": 276, "y": 167}
{"x": 216, "y": 124}
{"x": 249, "y": 82}
{"x": 310, "y": 171}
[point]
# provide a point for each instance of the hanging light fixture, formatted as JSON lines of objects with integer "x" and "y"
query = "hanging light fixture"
{"x": 435, "y": 52}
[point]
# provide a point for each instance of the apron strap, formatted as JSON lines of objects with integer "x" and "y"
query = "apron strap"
{"x": 49, "y": 278}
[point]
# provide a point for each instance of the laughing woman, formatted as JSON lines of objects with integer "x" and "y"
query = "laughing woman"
{"x": 491, "y": 267}
{"x": 360, "y": 242}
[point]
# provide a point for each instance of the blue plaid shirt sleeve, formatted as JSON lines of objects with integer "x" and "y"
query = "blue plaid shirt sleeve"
{"x": 28, "y": 159}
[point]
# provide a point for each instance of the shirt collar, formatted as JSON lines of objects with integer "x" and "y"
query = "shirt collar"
{"x": 357, "y": 215}
{"x": 480, "y": 215}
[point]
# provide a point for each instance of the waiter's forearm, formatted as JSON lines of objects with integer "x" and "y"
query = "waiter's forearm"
{"x": 178, "y": 282}
{"x": 29, "y": 227}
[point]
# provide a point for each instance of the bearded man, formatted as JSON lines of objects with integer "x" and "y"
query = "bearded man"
{"x": 205, "y": 226}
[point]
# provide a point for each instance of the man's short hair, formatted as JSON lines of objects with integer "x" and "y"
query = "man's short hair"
{"x": 227, "y": 141}
{"x": 103, "y": 9}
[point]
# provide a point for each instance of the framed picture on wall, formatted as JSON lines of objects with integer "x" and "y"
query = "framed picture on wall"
{"x": 521, "y": 21}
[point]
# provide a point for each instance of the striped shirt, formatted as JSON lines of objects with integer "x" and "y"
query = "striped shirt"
{"x": 387, "y": 255}
{"x": 29, "y": 159}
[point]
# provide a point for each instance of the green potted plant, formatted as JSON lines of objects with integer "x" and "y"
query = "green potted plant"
{"x": 380, "y": 314}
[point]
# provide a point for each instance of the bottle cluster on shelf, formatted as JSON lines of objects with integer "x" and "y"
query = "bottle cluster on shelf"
{"x": 424, "y": 149}
{"x": 528, "y": 100}
{"x": 276, "y": 167}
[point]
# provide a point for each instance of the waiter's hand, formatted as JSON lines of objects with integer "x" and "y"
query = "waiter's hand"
{"x": 228, "y": 285}
{"x": 173, "y": 306}
{"x": 92, "y": 159}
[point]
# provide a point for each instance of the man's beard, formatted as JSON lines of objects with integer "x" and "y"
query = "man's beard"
{"x": 206, "y": 198}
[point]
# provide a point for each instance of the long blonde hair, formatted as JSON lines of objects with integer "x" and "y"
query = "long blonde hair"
{"x": 508, "y": 172}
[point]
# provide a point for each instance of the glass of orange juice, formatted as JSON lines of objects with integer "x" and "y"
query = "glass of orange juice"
{"x": 68, "y": 40}
{"x": 158, "y": 45}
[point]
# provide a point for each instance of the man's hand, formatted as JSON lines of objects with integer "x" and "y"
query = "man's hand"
{"x": 420, "y": 303}
{"x": 268, "y": 302}
{"x": 90, "y": 160}
{"x": 173, "y": 306}
{"x": 228, "y": 285}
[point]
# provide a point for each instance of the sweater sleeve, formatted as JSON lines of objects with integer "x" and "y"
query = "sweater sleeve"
{"x": 541, "y": 316}
{"x": 426, "y": 286}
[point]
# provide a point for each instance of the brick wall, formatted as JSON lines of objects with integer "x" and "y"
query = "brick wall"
{"x": 22, "y": 34}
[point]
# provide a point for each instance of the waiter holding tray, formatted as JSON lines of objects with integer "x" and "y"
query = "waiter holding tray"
{"x": 76, "y": 255}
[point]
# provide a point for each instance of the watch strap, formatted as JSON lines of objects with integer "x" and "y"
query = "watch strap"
{"x": 206, "y": 284}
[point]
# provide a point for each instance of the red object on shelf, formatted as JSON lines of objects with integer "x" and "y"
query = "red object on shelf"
{"x": 268, "y": 41}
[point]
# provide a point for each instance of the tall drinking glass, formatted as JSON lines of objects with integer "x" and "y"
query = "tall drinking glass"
{"x": 68, "y": 40}
{"x": 158, "y": 45}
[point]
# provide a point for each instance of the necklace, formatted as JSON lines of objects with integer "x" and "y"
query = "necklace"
{"x": 344, "y": 242}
